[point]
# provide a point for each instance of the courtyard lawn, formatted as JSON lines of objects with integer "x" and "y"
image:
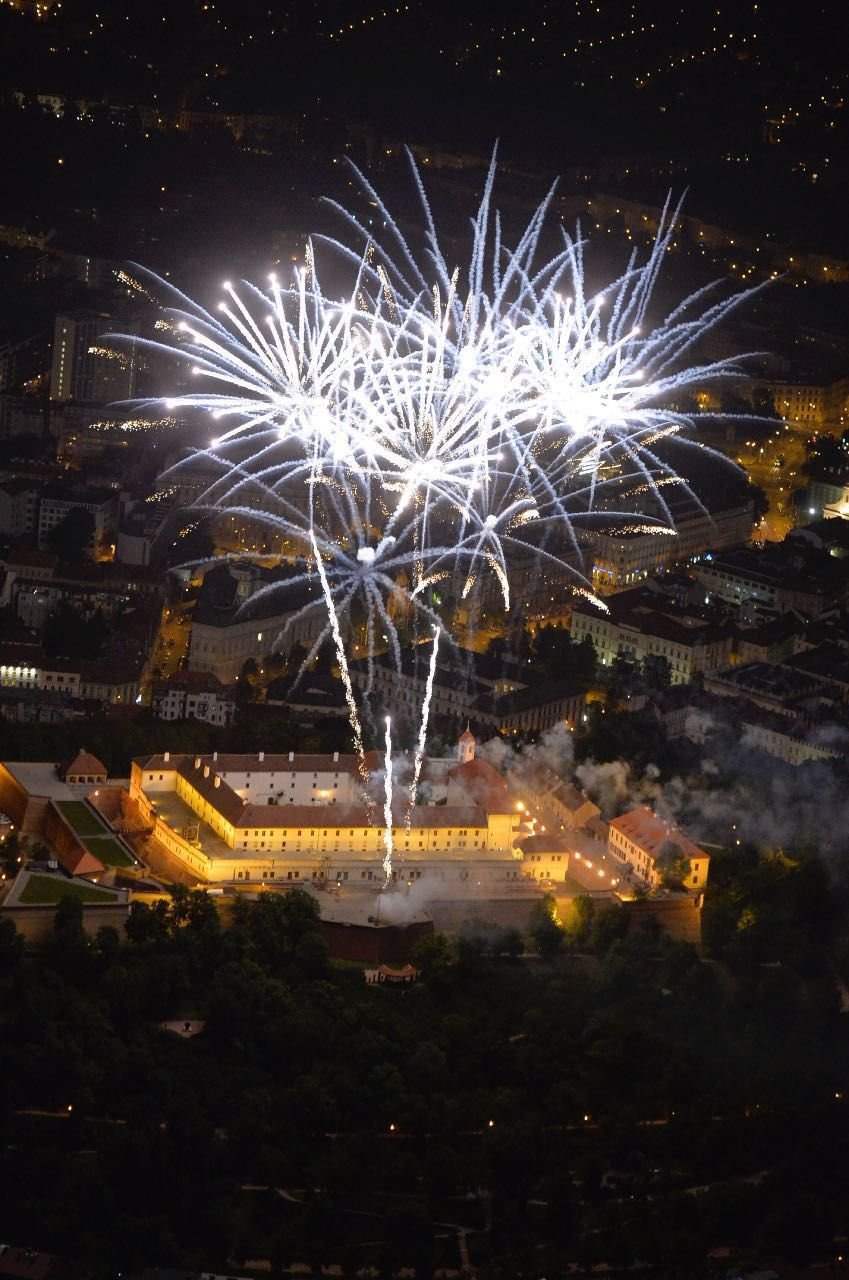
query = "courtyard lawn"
{"x": 109, "y": 851}
{"x": 50, "y": 890}
{"x": 81, "y": 818}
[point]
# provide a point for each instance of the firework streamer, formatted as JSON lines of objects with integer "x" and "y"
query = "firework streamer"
{"x": 387, "y": 806}
{"x": 420, "y": 746}
{"x": 353, "y": 714}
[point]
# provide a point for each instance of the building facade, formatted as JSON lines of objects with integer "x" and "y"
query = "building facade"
{"x": 640, "y": 624}
{"x": 642, "y": 839}
{"x": 193, "y": 695}
{"x": 307, "y": 818}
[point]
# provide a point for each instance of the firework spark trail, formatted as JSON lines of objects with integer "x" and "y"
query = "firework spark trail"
{"x": 387, "y": 806}
{"x": 343, "y": 664}
{"x": 420, "y": 746}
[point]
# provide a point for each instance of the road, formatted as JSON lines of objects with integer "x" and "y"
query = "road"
{"x": 170, "y": 645}
{"x": 775, "y": 464}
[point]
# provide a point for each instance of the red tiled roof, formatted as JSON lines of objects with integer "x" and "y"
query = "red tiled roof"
{"x": 242, "y": 763}
{"x": 84, "y": 763}
{"x": 79, "y": 862}
{"x": 484, "y": 785}
{"x": 21, "y": 654}
{"x": 30, "y": 557}
{"x": 26, "y": 1264}
{"x": 97, "y": 672}
{"x": 194, "y": 682}
{"x": 325, "y": 816}
{"x": 650, "y": 833}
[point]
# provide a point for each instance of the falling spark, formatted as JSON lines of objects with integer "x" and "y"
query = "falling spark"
{"x": 420, "y": 746}
{"x": 387, "y": 806}
{"x": 353, "y": 714}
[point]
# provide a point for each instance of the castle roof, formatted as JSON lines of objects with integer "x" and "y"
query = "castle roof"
{"x": 484, "y": 792}
{"x": 83, "y": 763}
{"x": 483, "y": 784}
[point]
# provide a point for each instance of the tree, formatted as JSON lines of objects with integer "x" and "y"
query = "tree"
{"x": 67, "y": 634}
{"x": 433, "y": 955}
{"x": 11, "y": 853}
{"x": 11, "y": 945}
{"x": 71, "y": 538}
{"x": 623, "y": 678}
{"x": 673, "y": 864}
{"x": 545, "y": 927}
{"x": 760, "y": 502}
{"x": 250, "y": 670}
{"x": 580, "y": 920}
{"x": 147, "y": 924}
{"x": 584, "y": 660}
{"x": 553, "y": 651}
{"x": 69, "y": 944}
{"x": 656, "y": 672}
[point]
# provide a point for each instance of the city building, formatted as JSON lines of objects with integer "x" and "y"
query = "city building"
{"x": 625, "y": 557}
{"x": 641, "y": 623}
{"x": 770, "y": 708}
{"x": 145, "y": 531}
{"x": 782, "y": 575}
{"x": 193, "y": 695}
{"x": 467, "y": 687}
{"x": 814, "y": 406}
{"x": 774, "y": 687}
{"x": 21, "y": 665}
{"x": 58, "y": 500}
{"x": 230, "y": 627}
{"x": 36, "y": 584}
{"x": 84, "y": 367}
{"x": 557, "y": 801}
{"x": 19, "y": 504}
{"x": 532, "y": 710}
{"x": 793, "y": 742}
{"x": 112, "y": 683}
{"x": 310, "y": 700}
{"x": 84, "y": 769}
{"x": 644, "y": 841}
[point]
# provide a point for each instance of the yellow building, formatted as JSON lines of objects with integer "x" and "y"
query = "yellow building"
{"x": 308, "y": 818}
{"x": 641, "y": 839}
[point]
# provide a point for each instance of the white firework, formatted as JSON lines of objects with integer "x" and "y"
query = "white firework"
{"x": 441, "y": 425}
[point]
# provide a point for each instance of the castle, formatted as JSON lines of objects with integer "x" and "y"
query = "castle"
{"x": 303, "y": 818}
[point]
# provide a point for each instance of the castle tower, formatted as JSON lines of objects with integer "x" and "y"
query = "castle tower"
{"x": 466, "y": 746}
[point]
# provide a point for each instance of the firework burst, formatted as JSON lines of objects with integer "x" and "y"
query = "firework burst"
{"x": 438, "y": 425}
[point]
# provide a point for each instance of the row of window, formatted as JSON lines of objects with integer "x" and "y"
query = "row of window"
{"x": 408, "y": 844}
{"x": 341, "y": 875}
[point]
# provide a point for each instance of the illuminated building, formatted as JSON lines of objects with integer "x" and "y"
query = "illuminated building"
{"x": 642, "y": 839}
{"x": 622, "y": 558}
{"x": 304, "y": 818}
{"x": 228, "y": 628}
{"x": 644, "y": 624}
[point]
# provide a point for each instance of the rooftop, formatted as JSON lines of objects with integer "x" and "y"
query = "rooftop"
{"x": 651, "y": 832}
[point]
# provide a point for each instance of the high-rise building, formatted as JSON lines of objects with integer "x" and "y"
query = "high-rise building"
{"x": 84, "y": 367}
